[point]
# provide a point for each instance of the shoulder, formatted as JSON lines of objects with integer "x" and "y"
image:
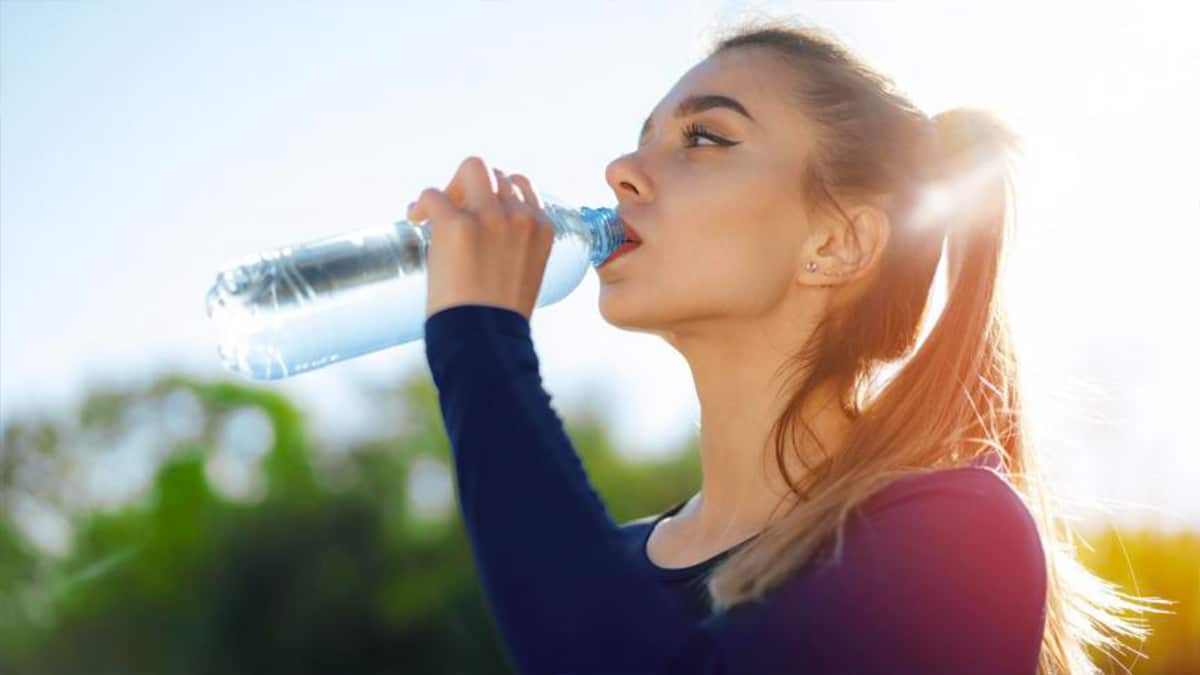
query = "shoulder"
{"x": 962, "y": 541}
{"x": 938, "y": 572}
{"x": 977, "y": 499}
{"x": 946, "y": 563}
{"x": 974, "y": 484}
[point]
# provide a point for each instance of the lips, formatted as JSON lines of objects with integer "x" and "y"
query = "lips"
{"x": 630, "y": 233}
{"x": 621, "y": 251}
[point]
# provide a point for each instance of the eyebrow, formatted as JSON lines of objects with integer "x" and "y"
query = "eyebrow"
{"x": 699, "y": 103}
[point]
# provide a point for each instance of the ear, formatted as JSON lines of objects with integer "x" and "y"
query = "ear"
{"x": 847, "y": 248}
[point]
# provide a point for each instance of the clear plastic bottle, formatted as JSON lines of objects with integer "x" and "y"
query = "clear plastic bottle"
{"x": 306, "y": 306}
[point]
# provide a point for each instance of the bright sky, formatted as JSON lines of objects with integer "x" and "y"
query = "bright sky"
{"x": 145, "y": 145}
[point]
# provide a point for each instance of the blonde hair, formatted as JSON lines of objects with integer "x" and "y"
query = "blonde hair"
{"x": 958, "y": 396}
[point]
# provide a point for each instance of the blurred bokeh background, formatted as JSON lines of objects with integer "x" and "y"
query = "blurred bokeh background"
{"x": 160, "y": 515}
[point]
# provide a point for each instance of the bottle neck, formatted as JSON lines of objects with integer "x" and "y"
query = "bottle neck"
{"x": 606, "y": 232}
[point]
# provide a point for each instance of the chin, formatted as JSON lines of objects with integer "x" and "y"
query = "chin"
{"x": 612, "y": 309}
{"x": 619, "y": 309}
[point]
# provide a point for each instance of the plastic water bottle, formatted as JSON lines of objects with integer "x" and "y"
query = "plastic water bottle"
{"x": 306, "y": 306}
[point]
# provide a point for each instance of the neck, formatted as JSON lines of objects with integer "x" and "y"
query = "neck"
{"x": 741, "y": 396}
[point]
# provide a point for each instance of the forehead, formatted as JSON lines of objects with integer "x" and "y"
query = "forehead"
{"x": 752, "y": 76}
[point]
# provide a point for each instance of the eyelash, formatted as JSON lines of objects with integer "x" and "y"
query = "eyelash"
{"x": 695, "y": 130}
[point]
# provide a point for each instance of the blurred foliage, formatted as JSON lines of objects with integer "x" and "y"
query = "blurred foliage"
{"x": 1155, "y": 564}
{"x": 333, "y": 565}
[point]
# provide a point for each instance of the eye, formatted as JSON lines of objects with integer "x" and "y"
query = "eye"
{"x": 697, "y": 131}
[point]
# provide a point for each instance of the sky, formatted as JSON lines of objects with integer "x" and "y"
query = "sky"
{"x": 144, "y": 146}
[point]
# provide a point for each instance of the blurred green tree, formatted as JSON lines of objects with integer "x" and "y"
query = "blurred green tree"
{"x": 337, "y": 573}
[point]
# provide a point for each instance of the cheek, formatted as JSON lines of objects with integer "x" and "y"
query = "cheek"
{"x": 727, "y": 261}
{"x": 720, "y": 275}
{"x": 743, "y": 275}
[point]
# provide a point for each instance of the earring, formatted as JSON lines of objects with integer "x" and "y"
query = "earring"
{"x": 811, "y": 266}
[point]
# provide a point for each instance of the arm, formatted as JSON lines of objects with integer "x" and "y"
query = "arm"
{"x": 575, "y": 602}
{"x": 580, "y": 604}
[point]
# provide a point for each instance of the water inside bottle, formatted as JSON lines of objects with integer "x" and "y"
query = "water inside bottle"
{"x": 304, "y": 307}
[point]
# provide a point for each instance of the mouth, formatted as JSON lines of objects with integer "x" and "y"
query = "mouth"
{"x": 627, "y": 245}
{"x": 631, "y": 234}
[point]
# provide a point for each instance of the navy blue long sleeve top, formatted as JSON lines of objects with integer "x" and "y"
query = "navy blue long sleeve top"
{"x": 940, "y": 573}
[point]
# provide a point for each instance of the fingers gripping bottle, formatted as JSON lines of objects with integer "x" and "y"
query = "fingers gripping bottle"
{"x": 301, "y": 307}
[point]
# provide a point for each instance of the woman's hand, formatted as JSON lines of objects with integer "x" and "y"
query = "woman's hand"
{"x": 489, "y": 241}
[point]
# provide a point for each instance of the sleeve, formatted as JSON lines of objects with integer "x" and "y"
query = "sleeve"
{"x": 568, "y": 597}
{"x": 565, "y": 594}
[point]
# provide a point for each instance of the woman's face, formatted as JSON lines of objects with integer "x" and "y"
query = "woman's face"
{"x": 721, "y": 213}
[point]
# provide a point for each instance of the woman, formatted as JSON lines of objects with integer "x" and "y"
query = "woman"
{"x": 792, "y": 208}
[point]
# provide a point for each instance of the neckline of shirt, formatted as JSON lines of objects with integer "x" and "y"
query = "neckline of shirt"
{"x": 690, "y": 570}
{"x": 989, "y": 460}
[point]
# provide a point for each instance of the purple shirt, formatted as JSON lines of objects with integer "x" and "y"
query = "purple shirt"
{"x": 940, "y": 573}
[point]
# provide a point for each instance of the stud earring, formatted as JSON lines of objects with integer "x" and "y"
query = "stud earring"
{"x": 811, "y": 266}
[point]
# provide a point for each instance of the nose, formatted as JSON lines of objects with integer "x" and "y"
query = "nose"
{"x": 626, "y": 179}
